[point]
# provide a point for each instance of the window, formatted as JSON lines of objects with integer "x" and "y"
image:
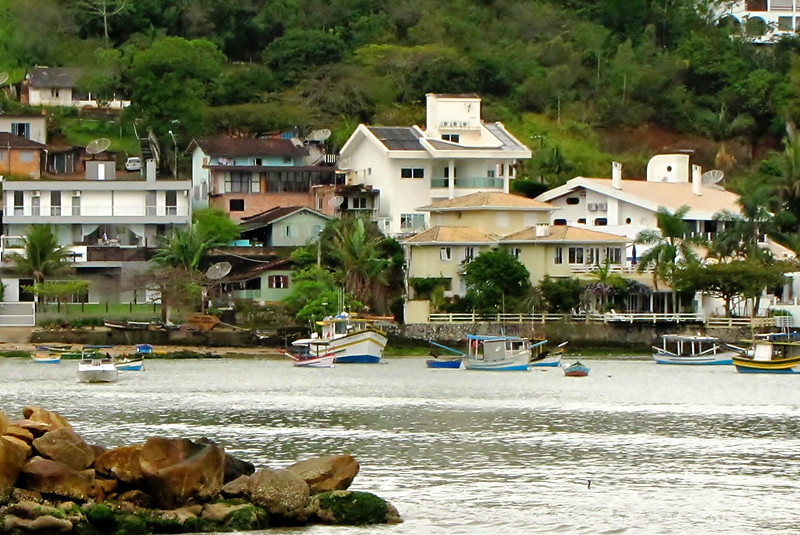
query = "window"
{"x": 171, "y": 202}
{"x": 558, "y": 257}
{"x": 278, "y": 281}
{"x": 54, "y": 92}
{"x": 573, "y": 200}
{"x": 785, "y": 24}
{"x": 445, "y": 253}
{"x": 490, "y": 173}
{"x": 76, "y": 204}
{"x": 592, "y": 255}
{"x": 582, "y": 220}
{"x": 359, "y": 203}
{"x": 36, "y": 202}
{"x": 559, "y": 222}
{"x": 18, "y": 203}
{"x": 241, "y": 182}
{"x": 450, "y": 137}
{"x": 576, "y": 255}
{"x": 469, "y": 253}
{"x": 21, "y": 129}
{"x": 614, "y": 255}
{"x": 516, "y": 251}
{"x": 289, "y": 231}
{"x": 26, "y": 156}
{"x": 600, "y": 222}
{"x": 412, "y": 221}
{"x": 412, "y": 172}
{"x": 55, "y": 203}
{"x": 236, "y": 205}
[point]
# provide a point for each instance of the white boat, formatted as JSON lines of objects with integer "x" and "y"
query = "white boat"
{"x": 311, "y": 353}
{"x": 130, "y": 364}
{"x": 46, "y": 358}
{"x": 543, "y": 358}
{"x": 97, "y": 370}
{"x": 353, "y": 339}
{"x": 692, "y": 349}
{"x": 501, "y": 353}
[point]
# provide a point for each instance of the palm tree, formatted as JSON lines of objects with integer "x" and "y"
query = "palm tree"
{"x": 43, "y": 256}
{"x": 360, "y": 258}
{"x": 669, "y": 246}
{"x": 742, "y": 232}
{"x": 606, "y": 284}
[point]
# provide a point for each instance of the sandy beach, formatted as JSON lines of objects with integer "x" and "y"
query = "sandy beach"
{"x": 230, "y": 352}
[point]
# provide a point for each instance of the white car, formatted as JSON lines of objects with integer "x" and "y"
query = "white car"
{"x": 133, "y": 164}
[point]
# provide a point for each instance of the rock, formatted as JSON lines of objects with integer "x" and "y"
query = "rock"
{"x": 36, "y": 429}
{"x": 179, "y": 471}
{"x": 218, "y": 512}
{"x": 32, "y": 509}
{"x": 280, "y": 492}
{"x": 13, "y": 455}
{"x": 122, "y": 464}
{"x": 102, "y": 488}
{"x": 233, "y": 467}
{"x": 3, "y": 423}
{"x": 65, "y": 446}
{"x": 52, "y": 419}
{"x": 238, "y": 487}
{"x": 182, "y": 514}
{"x": 42, "y": 524}
{"x": 52, "y": 477}
{"x": 330, "y": 472}
{"x": 20, "y": 433}
{"x": 137, "y": 499}
{"x": 23, "y": 495}
{"x": 345, "y": 507}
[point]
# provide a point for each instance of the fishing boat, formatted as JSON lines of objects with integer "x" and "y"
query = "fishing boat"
{"x": 576, "y": 369}
{"x": 311, "y": 353}
{"x": 543, "y": 358}
{"x": 97, "y": 370}
{"x": 692, "y": 349}
{"x": 768, "y": 356}
{"x": 53, "y": 347}
{"x": 497, "y": 353}
{"x": 353, "y": 339}
{"x": 46, "y": 358}
{"x": 130, "y": 364}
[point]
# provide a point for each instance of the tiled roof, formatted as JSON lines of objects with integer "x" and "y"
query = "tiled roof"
{"x": 229, "y": 146}
{"x": 565, "y": 233}
{"x": 486, "y": 200}
{"x": 450, "y": 235}
{"x": 53, "y": 76}
{"x": 274, "y": 214}
{"x": 9, "y": 140}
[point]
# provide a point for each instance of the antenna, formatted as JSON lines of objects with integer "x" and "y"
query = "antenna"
{"x": 218, "y": 270}
{"x": 712, "y": 177}
{"x": 336, "y": 202}
{"x": 96, "y": 146}
{"x": 3, "y": 78}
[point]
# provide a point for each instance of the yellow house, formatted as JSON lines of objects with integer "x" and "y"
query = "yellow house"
{"x": 493, "y": 212}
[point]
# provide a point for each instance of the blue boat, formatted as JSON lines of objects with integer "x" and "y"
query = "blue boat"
{"x": 576, "y": 369}
{"x": 445, "y": 363}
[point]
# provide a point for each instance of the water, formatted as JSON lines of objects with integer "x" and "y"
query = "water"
{"x": 668, "y": 449}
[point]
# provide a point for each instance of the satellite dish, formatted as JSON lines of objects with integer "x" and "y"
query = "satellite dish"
{"x": 96, "y": 146}
{"x": 344, "y": 164}
{"x": 218, "y": 270}
{"x": 336, "y": 202}
{"x": 711, "y": 177}
{"x": 320, "y": 135}
{"x": 3, "y": 77}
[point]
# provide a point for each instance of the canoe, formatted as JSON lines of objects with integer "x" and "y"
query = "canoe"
{"x": 452, "y": 364}
{"x": 576, "y": 369}
{"x": 46, "y": 358}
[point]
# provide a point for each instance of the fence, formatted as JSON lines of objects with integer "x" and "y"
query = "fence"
{"x": 17, "y": 314}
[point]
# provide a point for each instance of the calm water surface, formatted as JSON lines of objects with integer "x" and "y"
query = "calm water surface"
{"x": 668, "y": 449}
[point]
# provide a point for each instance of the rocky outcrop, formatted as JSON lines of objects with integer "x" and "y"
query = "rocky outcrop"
{"x": 330, "y": 472}
{"x": 52, "y": 481}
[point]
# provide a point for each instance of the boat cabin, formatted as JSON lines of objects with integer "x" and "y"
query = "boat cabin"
{"x": 688, "y": 346}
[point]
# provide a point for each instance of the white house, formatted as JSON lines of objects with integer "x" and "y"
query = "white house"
{"x": 31, "y": 127}
{"x": 778, "y": 17}
{"x": 58, "y": 86}
{"x": 455, "y": 154}
{"x": 108, "y": 225}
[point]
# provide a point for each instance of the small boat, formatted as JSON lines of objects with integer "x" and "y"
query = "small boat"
{"x": 353, "y": 339}
{"x": 311, "y": 353}
{"x": 143, "y": 349}
{"x": 543, "y": 358}
{"x": 128, "y": 364}
{"x": 46, "y": 358}
{"x": 53, "y": 347}
{"x": 769, "y": 357}
{"x": 497, "y": 353}
{"x": 452, "y": 363}
{"x": 692, "y": 349}
{"x": 97, "y": 370}
{"x": 576, "y": 369}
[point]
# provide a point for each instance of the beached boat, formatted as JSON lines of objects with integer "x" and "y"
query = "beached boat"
{"x": 46, "y": 358}
{"x": 311, "y": 353}
{"x": 541, "y": 357}
{"x": 97, "y": 370}
{"x": 767, "y": 356}
{"x": 452, "y": 363}
{"x": 692, "y": 349}
{"x": 53, "y": 347}
{"x": 576, "y": 369}
{"x": 130, "y": 364}
{"x": 353, "y": 339}
{"x": 497, "y": 353}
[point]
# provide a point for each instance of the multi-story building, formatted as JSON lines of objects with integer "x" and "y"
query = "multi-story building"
{"x": 454, "y": 155}
{"x": 774, "y": 17}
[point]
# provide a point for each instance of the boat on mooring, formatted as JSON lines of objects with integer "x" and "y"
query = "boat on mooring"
{"x": 692, "y": 349}
{"x": 46, "y": 358}
{"x": 576, "y": 369}
{"x": 497, "y": 353}
{"x": 353, "y": 339}
{"x": 541, "y": 357}
{"x": 311, "y": 353}
{"x": 769, "y": 356}
{"x": 97, "y": 370}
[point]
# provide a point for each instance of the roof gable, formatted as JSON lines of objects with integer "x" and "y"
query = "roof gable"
{"x": 564, "y": 234}
{"x": 12, "y": 141}
{"x": 273, "y": 215}
{"x": 229, "y": 146}
{"x": 451, "y": 235}
{"x": 486, "y": 200}
{"x": 54, "y": 76}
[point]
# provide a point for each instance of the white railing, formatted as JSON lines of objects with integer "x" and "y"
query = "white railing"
{"x": 22, "y": 314}
{"x": 609, "y": 317}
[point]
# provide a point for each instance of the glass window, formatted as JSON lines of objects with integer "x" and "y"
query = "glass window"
{"x": 614, "y": 255}
{"x": 600, "y": 222}
{"x": 576, "y": 255}
{"x": 469, "y": 253}
{"x": 450, "y": 137}
{"x": 278, "y": 281}
{"x": 560, "y": 222}
{"x": 573, "y": 200}
{"x": 412, "y": 221}
{"x": 21, "y": 129}
{"x": 412, "y": 172}
{"x": 26, "y": 156}
{"x": 444, "y": 253}
{"x": 55, "y": 203}
{"x": 559, "y": 255}
{"x": 236, "y": 205}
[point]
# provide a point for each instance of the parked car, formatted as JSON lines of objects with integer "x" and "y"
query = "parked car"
{"x": 133, "y": 164}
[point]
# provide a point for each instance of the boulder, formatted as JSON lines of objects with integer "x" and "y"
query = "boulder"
{"x": 36, "y": 429}
{"x": 133, "y": 499}
{"x": 280, "y": 492}
{"x": 180, "y": 472}
{"x": 41, "y": 524}
{"x": 182, "y": 514}
{"x": 52, "y": 477}
{"x": 52, "y": 419}
{"x": 20, "y": 433}
{"x": 330, "y": 472}
{"x": 122, "y": 464}
{"x": 238, "y": 487}
{"x": 233, "y": 467}
{"x": 345, "y": 507}
{"x": 13, "y": 454}
{"x": 218, "y": 512}
{"x": 3, "y": 423}
{"x": 65, "y": 446}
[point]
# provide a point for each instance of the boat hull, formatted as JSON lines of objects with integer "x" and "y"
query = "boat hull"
{"x": 97, "y": 371}
{"x": 452, "y": 364}
{"x": 360, "y": 347}
{"x": 135, "y": 365}
{"x": 48, "y": 359}
{"x": 785, "y": 366}
{"x": 550, "y": 361}
{"x": 725, "y": 358}
{"x": 576, "y": 370}
{"x": 324, "y": 361}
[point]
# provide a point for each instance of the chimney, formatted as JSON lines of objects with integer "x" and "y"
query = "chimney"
{"x": 616, "y": 175}
{"x": 696, "y": 180}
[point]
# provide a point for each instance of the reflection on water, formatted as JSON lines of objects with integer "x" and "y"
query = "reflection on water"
{"x": 667, "y": 449}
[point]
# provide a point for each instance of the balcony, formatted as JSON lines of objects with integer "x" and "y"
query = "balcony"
{"x": 479, "y": 182}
